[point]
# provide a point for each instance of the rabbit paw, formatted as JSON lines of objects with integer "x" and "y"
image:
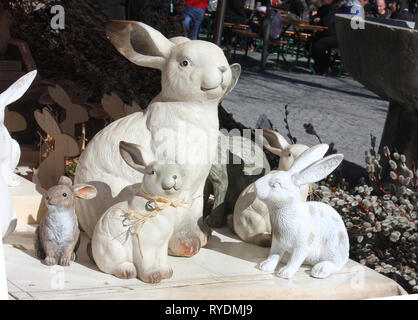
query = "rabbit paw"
{"x": 152, "y": 277}
{"x": 50, "y": 261}
{"x": 269, "y": 264}
{"x": 65, "y": 261}
{"x": 185, "y": 247}
{"x": 286, "y": 272}
{"x": 323, "y": 269}
{"x": 126, "y": 270}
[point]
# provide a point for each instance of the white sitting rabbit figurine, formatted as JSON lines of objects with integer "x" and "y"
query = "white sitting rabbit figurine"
{"x": 179, "y": 125}
{"x": 251, "y": 220}
{"x": 131, "y": 239}
{"x": 310, "y": 232}
{"x": 9, "y": 154}
{"x": 10, "y": 149}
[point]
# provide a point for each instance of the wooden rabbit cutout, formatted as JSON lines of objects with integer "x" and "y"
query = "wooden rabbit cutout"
{"x": 52, "y": 168}
{"x": 115, "y": 107}
{"x": 14, "y": 121}
{"x": 74, "y": 113}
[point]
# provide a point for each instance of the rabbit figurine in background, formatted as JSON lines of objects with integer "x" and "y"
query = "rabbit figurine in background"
{"x": 58, "y": 236}
{"x": 180, "y": 125}
{"x": 9, "y": 154}
{"x": 131, "y": 238}
{"x": 74, "y": 113}
{"x": 310, "y": 232}
{"x": 251, "y": 220}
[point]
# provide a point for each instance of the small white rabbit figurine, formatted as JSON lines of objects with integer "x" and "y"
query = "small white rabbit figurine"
{"x": 251, "y": 221}
{"x": 131, "y": 238}
{"x": 9, "y": 155}
{"x": 303, "y": 232}
{"x": 180, "y": 125}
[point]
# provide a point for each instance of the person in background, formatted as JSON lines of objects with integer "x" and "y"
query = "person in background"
{"x": 403, "y": 12}
{"x": 324, "y": 41}
{"x": 193, "y": 14}
{"x": 235, "y": 12}
{"x": 380, "y": 10}
{"x": 367, "y": 6}
{"x": 299, "y": 8}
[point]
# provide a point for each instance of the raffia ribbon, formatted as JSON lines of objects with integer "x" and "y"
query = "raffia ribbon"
{"x": 135, "y": 220}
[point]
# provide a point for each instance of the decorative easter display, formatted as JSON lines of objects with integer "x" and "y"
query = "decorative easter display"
{"x": 58, "y": 236}
{"x": 131, "y": 239}
{"x": 310, "y": 232}
{"x": 14, "y": 121}
{"x": 9, "y": 154}
{"x": 251, "y": 221}
{"x": 74, "y": 113}
{"x": 115, "y": 107}
{"x": 63, "y": 145}
{"x": 180, "y": 125}
{"x": 227, "y": 179}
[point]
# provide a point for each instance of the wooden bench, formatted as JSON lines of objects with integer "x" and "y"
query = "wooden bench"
{"x": 253, "y": 35}
{"x": 236, "y": 25}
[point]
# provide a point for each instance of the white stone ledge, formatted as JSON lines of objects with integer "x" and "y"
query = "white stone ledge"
{"x": 225, "y": 269}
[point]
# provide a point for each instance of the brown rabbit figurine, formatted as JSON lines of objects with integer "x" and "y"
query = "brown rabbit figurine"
{"x": 58, "y": 236}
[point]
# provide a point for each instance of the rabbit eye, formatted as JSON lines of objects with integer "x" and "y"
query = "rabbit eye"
{"x": 185, "y": 63}
{"x": 152, "y": 171}
{"x": 64, "y": 194}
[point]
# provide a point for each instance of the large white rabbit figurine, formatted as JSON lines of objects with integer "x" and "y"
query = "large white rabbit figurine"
{"x": 9, "y": 154}
{"x": 180, "y": 125}
{"x": 131, "y": 238}
{"x": 310, "y": 232}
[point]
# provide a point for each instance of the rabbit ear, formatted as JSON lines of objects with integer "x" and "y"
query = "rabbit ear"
{"x": 84, "y": 191}
{"x": 318, "y": 170}
{"x": 179, "y": 39}
{"x": 17, "y": 89}
{"x": 59, "y": 95}
{"x": 139, "y": 43}
{"x": 47, "y": 122}
{"x": 274, "y": 142}
{"x": 65, "y": 181}
{"x": 236, "y": 72}
{"x": 135, "y": 156}
{"x": 308, "y": 157}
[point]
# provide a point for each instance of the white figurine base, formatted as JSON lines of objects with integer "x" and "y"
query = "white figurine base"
{"x": 204, "y": 276}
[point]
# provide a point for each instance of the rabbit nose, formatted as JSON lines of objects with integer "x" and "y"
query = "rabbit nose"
{"x": 174, "y": 177}
{"x": 223, "y": 68}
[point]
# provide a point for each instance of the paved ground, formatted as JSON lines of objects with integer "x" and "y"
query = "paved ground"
{"x": 341, "y": 109}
